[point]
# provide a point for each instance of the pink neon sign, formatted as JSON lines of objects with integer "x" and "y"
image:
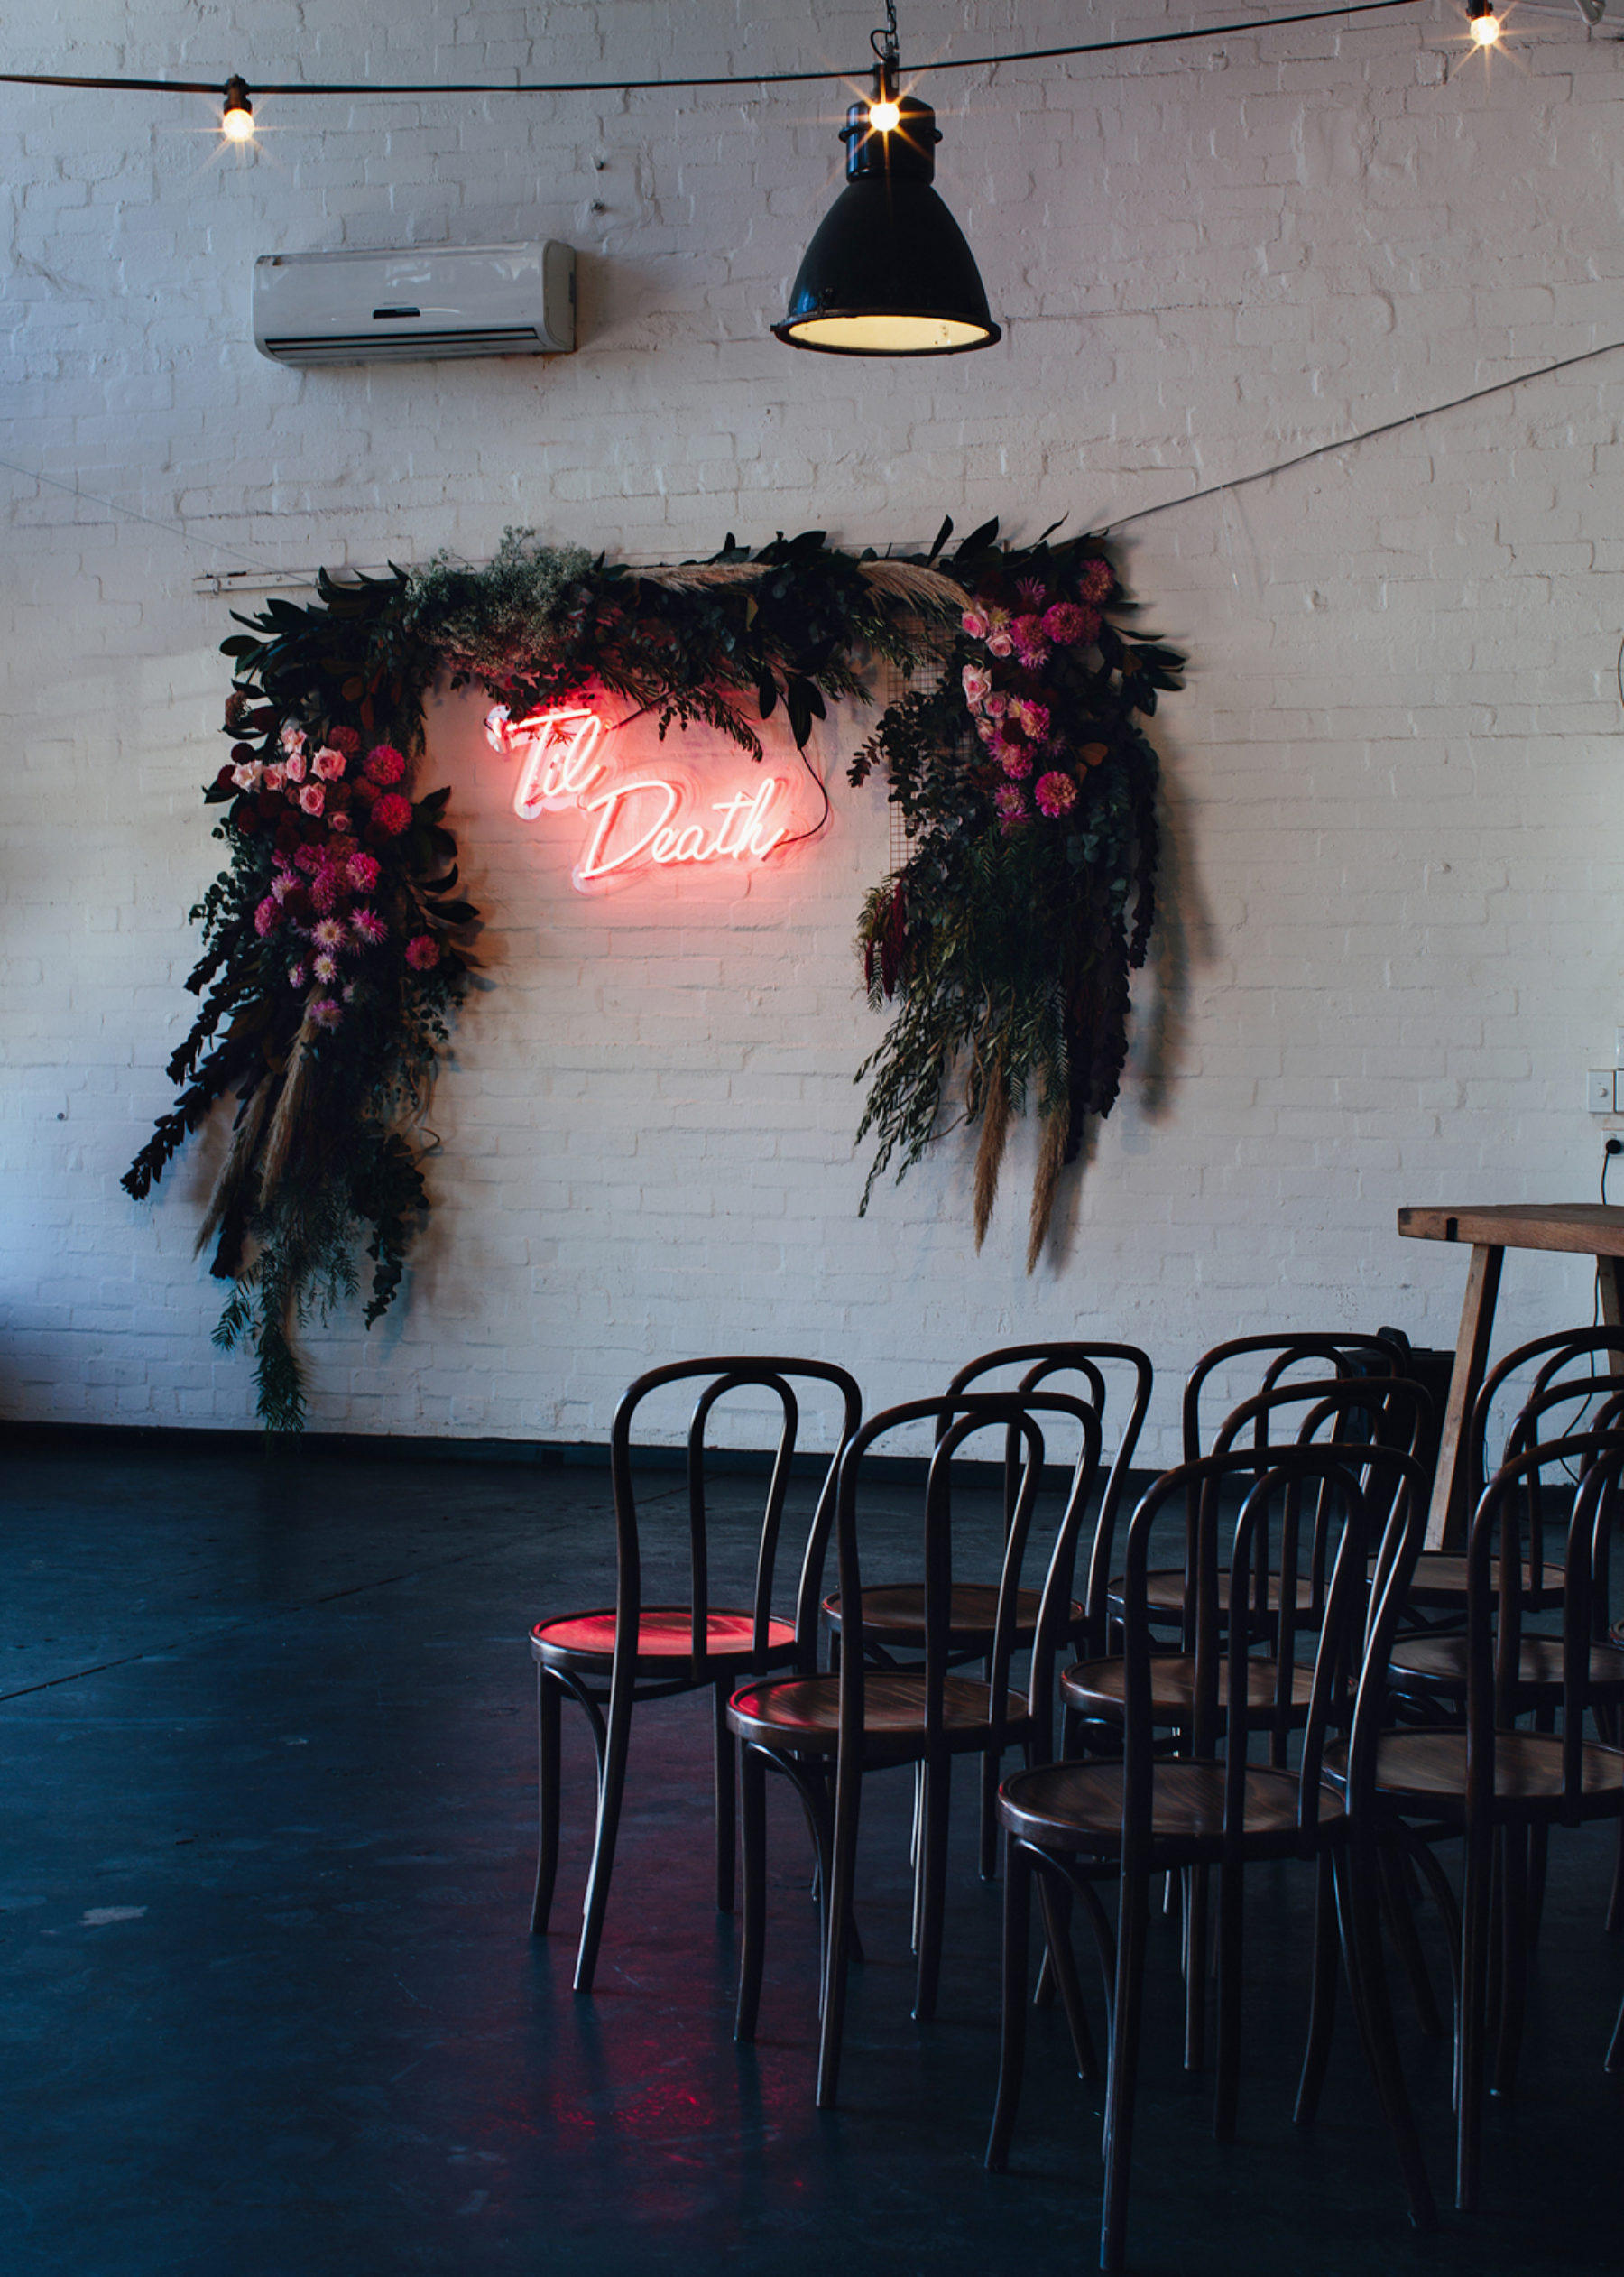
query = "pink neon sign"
{"x": 647, "y": 819}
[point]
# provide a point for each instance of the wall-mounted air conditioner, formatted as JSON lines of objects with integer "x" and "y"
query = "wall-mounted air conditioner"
{"x": 424, "y": 301}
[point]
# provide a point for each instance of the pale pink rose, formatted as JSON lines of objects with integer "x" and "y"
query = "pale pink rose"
{"x": 978, "y": 686}
{"x": 246, "y": 777}
{"x": 328, "y": 763}
{"x": 1000, "y": 645}
{"x": 294, "y": 769}
{"x": 975, "y": 624}
{"x": 272, "y": 778}
{"x": 312, "y": 798}
{"x": 292, "y": 739}
{"x": 339, "y": 819}
{"x": 997, "y": 704}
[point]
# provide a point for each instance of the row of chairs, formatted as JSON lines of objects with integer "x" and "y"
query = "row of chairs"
{"x": 1303, "y": 1506}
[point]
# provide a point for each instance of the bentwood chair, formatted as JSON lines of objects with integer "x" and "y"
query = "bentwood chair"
{"x": 1494, "y": 1784}
{"x": 617, "y": 1658}
{"x": 826, "y": 1733}
{"x": 1146, "y": 1814}
{"x": 894, "y": 1616}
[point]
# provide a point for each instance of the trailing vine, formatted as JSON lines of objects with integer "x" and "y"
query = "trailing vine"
{"x": 336, "y": 943}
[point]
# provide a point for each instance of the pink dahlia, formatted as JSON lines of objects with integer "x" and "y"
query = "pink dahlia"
{"x": 345, "y": 739}
{"x": 1066, "y": 624}
{"x": 312, "y": 798}
{"x": 328, "y": 763}
{"x": 297, "y": 975}
{"x": 1031, "y": 645}
{"x": 1034, "y": 718}
{"x": 325, "y": 1012}
{"x": 423, "y": 953}
{"x": 326, "y": 967}
{"x": 309, "y": 858}
{"x": 392, "y": 813}
{"x": 361, "y": 870}
{"x": 1014, "y": 758}
{"x": 1056, "y": 794}
{"x": 1096, "y": 581}
{"x": 1032, "y": 591}
{"x": 268, "y": 916}
{"x": 327, "y": 932}
{"x": 324, "y": 891}
{"x": 1012, "y": 806}
{"x": 368, "y": 928}
{"x": 385, "y": 764}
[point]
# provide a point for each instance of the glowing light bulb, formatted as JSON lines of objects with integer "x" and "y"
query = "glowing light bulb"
{"x": 885, "y": 117}
{"x": 237, "y": 120}
{"x": 1485, "y": 25}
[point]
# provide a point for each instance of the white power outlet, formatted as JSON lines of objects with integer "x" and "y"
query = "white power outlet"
{"x": 1598, "y": 1091}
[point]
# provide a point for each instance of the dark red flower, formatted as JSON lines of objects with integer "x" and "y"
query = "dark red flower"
{"x": 392, "y": 814}
{"x": 345, "y": 739}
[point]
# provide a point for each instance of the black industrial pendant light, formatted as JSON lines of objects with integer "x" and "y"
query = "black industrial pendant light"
{"x": 888, "y": 272}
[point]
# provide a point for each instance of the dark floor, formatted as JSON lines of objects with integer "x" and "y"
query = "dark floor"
{"x": 271, "y": 2009}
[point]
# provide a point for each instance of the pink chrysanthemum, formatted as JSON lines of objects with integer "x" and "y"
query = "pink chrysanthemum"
{"x": 326, "y": 967}
{"x": 1096, "y": 581}
{"x": 423, "y": 953}
{"x": 309, "y": 858}
{"x": 1032, "y": 591}
{"x": 361, "y": 870}
{"x": 1056, "y": 794}
{"x": 328, "y": 763}
{"x": 297, "y": 975}
{"x": 392, "y": 813}
{"x": 325, "y": 1012}
{"x": 368, "y": 927}
{"x": 312, "y": 798}
{"x": 327, "y": 932}
{"x": 385, "y": 765}
{"x": 1014, "y": 758}
{"x": 345, "y": 739}
{"x": 1034, "y": 718}
{"x": 1012, "y": 806}
{"x": 324, "y": 892}
{"x": 1066, "y": 624}
{"x": 267, "y": 917}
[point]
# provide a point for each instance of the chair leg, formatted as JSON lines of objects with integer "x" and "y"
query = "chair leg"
{"x": 548, "y": 1704}
{"x": 1513, "y": 1956}
{"x": 939, "y": 1793}
{"x": 842, "y": 1878}
{"x": 611, "y": 1787}
{"x": 1400, "y": 1917}
{"x": 1614, "y": 2059}
{"x": 1322, "y": 2008}
{"x": 1195, "y": 1880}
{"x": 1122, "y": 2078}
{"x": 1060, "y": 1966}
{"x": 1471, "y": 2023}
{"x": 990, "y": 1768}
{"x": 1011, "y": 2042}
{"x": 727, "y": 1778}
{"x": 1359, "y": 1915}
{"x": 752, "y": 1813}
{"x": 1232, "y": 1917}
{"x": 1615, "y": 1904}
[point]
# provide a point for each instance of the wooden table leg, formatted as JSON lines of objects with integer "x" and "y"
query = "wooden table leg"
{"x": 1447, "y": 1520}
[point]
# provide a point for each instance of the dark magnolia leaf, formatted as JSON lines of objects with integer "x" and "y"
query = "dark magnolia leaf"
{"x": 240, "y": 644}
{"x": 433, "y": 802}
{"x": 942, "y": 536}
{"x": 453, "y": 912}
{"x": 767, "y": 695}
{"x": 980, "y": 539}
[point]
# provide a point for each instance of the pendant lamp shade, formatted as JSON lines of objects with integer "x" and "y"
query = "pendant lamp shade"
{"x": 888, "y": 271}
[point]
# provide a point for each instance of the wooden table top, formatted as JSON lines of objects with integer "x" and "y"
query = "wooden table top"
{"x": 1588, "y": 1229}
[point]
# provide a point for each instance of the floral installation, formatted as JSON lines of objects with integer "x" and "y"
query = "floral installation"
{"x": 336, "y": 944}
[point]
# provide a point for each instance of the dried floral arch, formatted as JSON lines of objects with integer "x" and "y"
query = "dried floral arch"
{"x": 337, "y": 942}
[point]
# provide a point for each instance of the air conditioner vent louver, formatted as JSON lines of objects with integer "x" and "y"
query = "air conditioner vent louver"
{"x": 419, "y": 302}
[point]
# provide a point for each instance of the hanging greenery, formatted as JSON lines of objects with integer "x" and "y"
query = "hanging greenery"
{"x": 336, "y": 941}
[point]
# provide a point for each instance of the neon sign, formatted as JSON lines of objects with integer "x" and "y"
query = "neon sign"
{"x": 649, "y": 819}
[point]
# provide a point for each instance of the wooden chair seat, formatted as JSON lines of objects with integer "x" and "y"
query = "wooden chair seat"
{"x": 893, "y": 1615}
{"x": 585, "y": 1641}
{"x": 1440, "y": 1583}
{"x": 1078, "y": 1807}
{"x": 1165, "y": 1595}
{"x": 1423, "y": 1774}
{"x": 803, "y": 1713}
{"x": 1439, "y": 1663}
{"x": 1095, "y": 1689}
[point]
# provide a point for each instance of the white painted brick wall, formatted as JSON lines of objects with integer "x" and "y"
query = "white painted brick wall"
{"x": 1392, "y": 948}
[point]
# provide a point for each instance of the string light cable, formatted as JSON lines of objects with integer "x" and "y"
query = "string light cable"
{"x": 119, "y": 83}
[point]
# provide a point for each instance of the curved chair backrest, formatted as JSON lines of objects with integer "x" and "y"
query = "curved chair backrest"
{"x": 716, "y": 1378}
{"x": 956, "y": 1418}
{"x": 1554, "y": 1386}
{"x": 1356, "y": 1415}
{"x": 1380, "y": 1518}
{"x": 1494, "y": 1618}
{"x": 1271, "y": 1359}
{"x": 1098, "y": 1365}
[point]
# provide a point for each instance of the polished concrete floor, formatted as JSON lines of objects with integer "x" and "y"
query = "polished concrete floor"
{"x": 269, "y": 2008}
